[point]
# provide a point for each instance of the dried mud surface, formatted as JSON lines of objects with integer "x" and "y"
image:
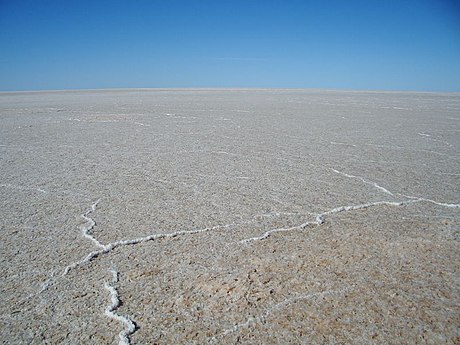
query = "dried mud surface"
{"x": 229, "y": 217}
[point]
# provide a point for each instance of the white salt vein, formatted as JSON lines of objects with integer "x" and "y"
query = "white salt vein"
{"x": 268, "y": 233}
{"x": 320, "y": 217}
{"x": 9, "y": 185}
{"x": 364, "y": 181}
{"x": 111, "y": 309}
{"x": 424, "y": 134}
{"x": 90, "y": 224}
{"x": 111, "y": 246}
{"x": 444, "y": 204}
{"x": 413, "y": 198}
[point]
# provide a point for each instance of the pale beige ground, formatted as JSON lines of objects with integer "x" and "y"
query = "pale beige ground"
{"x": 234, "y": 165}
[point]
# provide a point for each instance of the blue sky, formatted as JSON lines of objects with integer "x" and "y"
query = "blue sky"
{"x": 378, "y": 45}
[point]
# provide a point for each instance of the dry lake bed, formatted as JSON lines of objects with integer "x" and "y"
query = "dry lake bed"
{"x": 229, "y": 217}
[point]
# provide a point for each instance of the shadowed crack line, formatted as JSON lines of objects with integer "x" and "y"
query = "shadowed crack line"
{"x": 111, "y": 309}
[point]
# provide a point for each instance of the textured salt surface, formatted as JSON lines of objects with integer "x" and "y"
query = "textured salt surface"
{"x": 264, "y": 216}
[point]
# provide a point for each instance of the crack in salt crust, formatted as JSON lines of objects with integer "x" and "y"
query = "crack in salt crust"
{"x": 384, "y": 190}
{"x": 90, "y": 224}
{"x": 113, "y": 245}
{"x": 9, "y": 185}
{"x": 319, "y": 219}
{"x": 110, "y": 310}
{"x": 416, "y": 198}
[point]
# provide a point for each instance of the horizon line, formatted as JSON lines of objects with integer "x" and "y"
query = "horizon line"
{"x": 221, "y": 89}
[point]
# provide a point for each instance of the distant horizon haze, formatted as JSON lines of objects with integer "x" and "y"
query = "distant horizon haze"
{"x": 180, "y": 89}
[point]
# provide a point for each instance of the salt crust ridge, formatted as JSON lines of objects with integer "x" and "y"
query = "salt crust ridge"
{"x": 131, "y": 327}
{"x": 320, "y": 218}
{"x": 111, "y": 309}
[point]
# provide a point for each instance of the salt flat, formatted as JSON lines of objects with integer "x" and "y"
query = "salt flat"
{"x": 229, "y": 216}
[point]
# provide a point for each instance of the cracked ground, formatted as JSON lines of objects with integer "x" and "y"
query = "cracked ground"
{"x": 229, "y": 216}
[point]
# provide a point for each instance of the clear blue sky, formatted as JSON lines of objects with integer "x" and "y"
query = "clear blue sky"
{"x": 385, "y": 44}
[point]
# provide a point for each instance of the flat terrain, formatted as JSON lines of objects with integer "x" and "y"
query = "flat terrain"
{"x": 229, "y": 216}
